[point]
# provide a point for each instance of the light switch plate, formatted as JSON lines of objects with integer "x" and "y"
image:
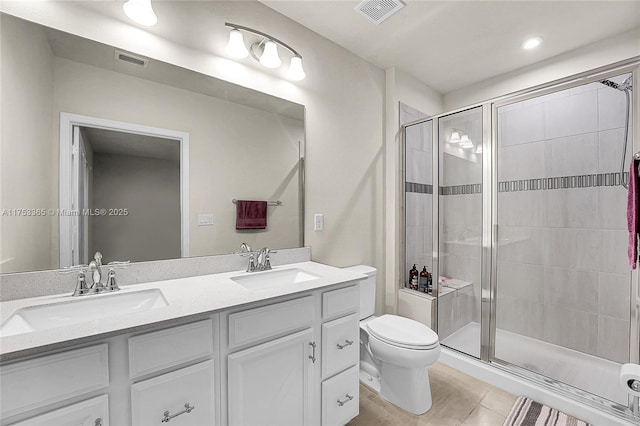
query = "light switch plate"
{"x": 318, "y": 222}
{"x": 205, "y": 219}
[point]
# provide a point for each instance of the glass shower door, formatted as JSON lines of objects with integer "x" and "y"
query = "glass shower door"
{"x": 460, "y": 205}
{"x": 563, "y": 284}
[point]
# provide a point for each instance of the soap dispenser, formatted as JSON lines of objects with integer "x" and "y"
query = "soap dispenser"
{"x": 422, "y": 283}
{"x": 413, "y": 278}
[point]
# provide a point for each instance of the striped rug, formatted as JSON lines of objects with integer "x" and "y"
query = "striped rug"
{"x": 526, "y": 412}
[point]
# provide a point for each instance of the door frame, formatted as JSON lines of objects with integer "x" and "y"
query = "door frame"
{"x": 67, "y": 122}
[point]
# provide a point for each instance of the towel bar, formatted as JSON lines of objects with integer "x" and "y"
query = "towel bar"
{"x": 269, "y": 203}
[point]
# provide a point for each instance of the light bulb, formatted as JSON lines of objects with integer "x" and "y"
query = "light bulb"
{"x": 455, "y": 137}
{"x": 295, "y": 72}
{"x": 269, "y": 57}
{"x": 141, "y": 12}
{"x": 236, "y": 48}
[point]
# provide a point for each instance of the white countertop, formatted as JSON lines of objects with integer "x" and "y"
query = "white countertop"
{"x": 186, "y": 297}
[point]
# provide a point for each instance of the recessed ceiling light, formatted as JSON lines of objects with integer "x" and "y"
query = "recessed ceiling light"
{"x": 531, "y": 43}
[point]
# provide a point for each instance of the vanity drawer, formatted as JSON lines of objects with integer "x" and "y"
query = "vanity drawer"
{"x": 172, "y": 392}
{"x": 340, "y": 344}
{"x": 340, "y": 302}
{"x": 162, "y": 349}
{"x": 270, "y": 321}
{"x": 340, "y": 398}
{"x": 53, "y": 378}
{"x": 92, "y": 412}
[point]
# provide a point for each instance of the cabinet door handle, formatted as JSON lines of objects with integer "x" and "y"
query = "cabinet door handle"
{"x": 98, "y": 422}
{"x": 347, "y": 343}
{"x": 312, "y": 357}
{"x": 349, "y": 398}
{"x": 187, "y": 409}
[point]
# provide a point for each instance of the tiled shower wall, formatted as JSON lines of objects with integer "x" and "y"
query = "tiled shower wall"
{"x": 418, "y": 191}
{"x": 562, "y": 265}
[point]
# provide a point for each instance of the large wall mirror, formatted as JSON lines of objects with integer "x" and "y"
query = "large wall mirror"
{"x": 102, "y": 150}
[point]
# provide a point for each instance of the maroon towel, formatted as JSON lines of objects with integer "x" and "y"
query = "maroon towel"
{"x": 632, "y": 214}
{"x": 251, "y": 214}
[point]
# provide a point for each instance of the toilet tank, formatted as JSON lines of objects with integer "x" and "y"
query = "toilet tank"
{"x": 367, "y": 289}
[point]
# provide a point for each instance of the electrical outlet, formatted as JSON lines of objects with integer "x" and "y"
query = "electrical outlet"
{"x": 318, "y": 222}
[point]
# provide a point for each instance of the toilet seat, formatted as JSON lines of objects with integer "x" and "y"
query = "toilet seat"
{"x": 403, "y": 332}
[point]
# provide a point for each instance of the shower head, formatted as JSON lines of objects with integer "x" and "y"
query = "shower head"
{"x": 623, "y": 87}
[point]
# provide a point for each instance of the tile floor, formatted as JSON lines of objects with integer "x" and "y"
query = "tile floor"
{"x": 458, "y": 399}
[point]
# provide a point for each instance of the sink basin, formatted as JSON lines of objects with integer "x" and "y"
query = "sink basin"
{"x": 81, "y": 309}
{"x": 274, "y": 278}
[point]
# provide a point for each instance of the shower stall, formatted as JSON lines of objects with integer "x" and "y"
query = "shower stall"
{"x": 518, "y": 205}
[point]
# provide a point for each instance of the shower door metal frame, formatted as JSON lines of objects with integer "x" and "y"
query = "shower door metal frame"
{"x": 491, "y": 234}
{"x": 435, "y": 179}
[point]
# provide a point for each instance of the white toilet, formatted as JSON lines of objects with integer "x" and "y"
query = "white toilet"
{"x": 394, "y": 352}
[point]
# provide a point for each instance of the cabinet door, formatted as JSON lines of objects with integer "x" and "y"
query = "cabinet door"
{"x": 271, "y": 384}
{"x": 92, "y": 412}
{"x": 183, "y": 397}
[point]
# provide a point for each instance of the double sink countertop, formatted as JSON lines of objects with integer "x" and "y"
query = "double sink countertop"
{"x": 185, "y": 297}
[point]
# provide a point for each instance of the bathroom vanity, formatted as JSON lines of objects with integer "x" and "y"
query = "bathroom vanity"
{"x": 213, "y": 350}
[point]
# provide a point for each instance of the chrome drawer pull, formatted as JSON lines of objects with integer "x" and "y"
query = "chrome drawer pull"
{"x": 313, "y": 356}
{"x": 349, "y": 398}
{"x": 187, "y": 409}
{"x": 98, "y": 422}
{"x": 347, "y": 343}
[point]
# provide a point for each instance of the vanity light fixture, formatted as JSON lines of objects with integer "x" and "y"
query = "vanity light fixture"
{"x": 141, "y": 12}
{"x": 455, "y": 137}
{"x": 264, "y": 51}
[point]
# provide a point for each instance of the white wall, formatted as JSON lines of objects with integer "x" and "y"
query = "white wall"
{"x": 343, "y": 95}
{"x": 26, "y": 157}
{"x": 600, "y": 54}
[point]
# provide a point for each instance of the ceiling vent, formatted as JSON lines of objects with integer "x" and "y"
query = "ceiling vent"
{"x": 378, "y": 10}
{"x": 132, "y": 59}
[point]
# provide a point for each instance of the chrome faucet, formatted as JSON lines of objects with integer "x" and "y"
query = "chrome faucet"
{"x": 95, "y": 269}
{"x": 258, "y": 260}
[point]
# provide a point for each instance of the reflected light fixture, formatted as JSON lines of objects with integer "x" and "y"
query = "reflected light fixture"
{"x": 141, "y": 12}
{"x": 455, "y": 137}
{"x": 264, "y": 51}
{"x": 465, "y": 142}
{"x": 479, "y": 149}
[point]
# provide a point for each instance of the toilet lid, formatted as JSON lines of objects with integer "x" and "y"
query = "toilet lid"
{"x": 403, "y": 332}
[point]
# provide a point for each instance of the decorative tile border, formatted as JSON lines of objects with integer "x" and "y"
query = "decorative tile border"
{"x": 540, "y": 184}
{"x": 564, "y": 182}
{"x": 419, "y": 188}
{"x": 474, "y": 188}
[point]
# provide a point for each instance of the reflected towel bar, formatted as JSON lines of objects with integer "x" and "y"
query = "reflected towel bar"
{"x": 269, "y": 203}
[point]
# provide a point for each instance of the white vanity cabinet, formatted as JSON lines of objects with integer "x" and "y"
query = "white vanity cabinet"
{"x": 42, "y": 385}
{"x": 92, "y": 412}
{"x": 184, "y": 396}
{"x": 290, "y": 360}
{"x": 272, "y": 382}
{"x": 340, "y": 355}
